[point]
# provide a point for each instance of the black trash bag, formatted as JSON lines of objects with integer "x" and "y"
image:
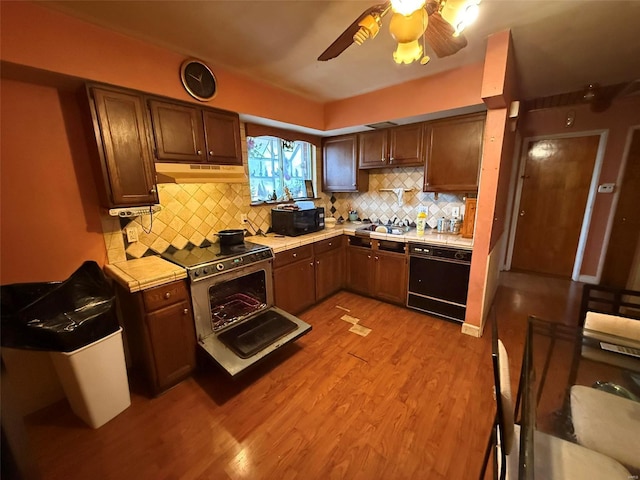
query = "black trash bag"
{"x": 58, "y": 316}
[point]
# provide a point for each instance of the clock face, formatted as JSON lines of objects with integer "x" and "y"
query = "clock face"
{"x": 198, "y": 80}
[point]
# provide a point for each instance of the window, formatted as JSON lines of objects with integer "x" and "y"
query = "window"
{"x": 274, "y": 164}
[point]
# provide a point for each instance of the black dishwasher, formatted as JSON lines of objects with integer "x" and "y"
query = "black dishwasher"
{"x": 439, "y": 280}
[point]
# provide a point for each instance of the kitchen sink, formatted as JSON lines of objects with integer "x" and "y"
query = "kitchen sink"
{"x": 392, "y": 229}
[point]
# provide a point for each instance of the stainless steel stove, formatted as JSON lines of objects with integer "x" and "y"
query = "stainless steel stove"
{"x": 235, "y": 318}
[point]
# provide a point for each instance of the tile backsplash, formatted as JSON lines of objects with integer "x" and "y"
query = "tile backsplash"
{"x": 193, "y": 213}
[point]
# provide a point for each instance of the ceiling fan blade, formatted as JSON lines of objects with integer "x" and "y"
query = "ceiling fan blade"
{"x": 346, "y": 38}
{"x": 439, "y": 36}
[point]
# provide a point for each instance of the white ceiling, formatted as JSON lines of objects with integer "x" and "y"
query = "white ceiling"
{"x": 560, "y": 45}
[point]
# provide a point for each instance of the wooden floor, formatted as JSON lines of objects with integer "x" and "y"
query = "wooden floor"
{"x": 412, "y": 400}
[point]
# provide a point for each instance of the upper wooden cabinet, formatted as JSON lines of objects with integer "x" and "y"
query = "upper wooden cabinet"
{"x": 185, "y": 133}
{"x": 454, "y": 154}
{"x": 392, "y": 147}
{"x": 340, "y": 171}
{"x": 121, "y": 126}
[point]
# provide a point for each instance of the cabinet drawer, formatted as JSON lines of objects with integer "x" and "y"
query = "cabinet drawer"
{"x": 326, "y": 245}
{"x": 159, "y": 297}
{"x": 293, "y": 255}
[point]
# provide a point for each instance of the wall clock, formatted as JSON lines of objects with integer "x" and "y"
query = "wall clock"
{"x": 198, "y": 79}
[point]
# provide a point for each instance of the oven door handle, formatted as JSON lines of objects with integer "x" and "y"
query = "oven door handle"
{"x": 440, "y": 259}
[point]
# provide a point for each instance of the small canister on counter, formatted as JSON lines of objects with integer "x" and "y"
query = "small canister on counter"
{"x": 443, "y": 225}
{"x": 454, "y": 226}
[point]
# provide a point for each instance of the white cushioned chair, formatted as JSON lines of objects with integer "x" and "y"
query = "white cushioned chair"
{"x": 554, "y": 458}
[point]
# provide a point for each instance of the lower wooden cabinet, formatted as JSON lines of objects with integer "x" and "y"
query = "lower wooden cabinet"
{"x": 294, "y": 285}
{"x": 360, "y": 270}
{"x": 305, "y": 275}
{"x": 160, "y": 333}
{"x": 329, "y": 267}
{"x": 390, "y": 277}
{"x": 375, "y": 271}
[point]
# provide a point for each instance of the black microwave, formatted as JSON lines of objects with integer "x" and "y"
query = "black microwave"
{"x": 296, "y": 222}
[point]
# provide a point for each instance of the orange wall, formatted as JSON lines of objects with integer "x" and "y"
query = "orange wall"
{"x": 437, "y": 93}
{"x": 42, "y": 38}
{"x": 48, "y": 200}
{"x": 618, "y": 119}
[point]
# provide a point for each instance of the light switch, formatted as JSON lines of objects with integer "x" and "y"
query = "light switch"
{"x": 606, "y": 188}
{"x": 455, "y": 212}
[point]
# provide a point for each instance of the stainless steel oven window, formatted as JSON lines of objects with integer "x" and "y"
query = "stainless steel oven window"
{"x": 255, "y": 279}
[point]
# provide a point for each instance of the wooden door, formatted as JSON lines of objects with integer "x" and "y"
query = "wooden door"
{"x": 390, "y": 277}
{"x": 626, "y": 222}
{"x": 555, "y": 187}
{"x": 454, "y": 153}
{"x": 406, "y": 146}
{"x": 172, "y": 339}
{"x": 373, "y": 149}
{"x": 178, "y": 132}
{"x": 340, "y": 171}
{"x": 120, "y": 124}
{"x": 359, "y": 270}
{"x": 222, "y": 137}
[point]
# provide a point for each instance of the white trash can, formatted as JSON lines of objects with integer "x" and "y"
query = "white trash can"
{"x": 94, "y": 379}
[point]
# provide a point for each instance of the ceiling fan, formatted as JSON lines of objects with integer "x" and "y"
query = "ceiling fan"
{"x": 438, "y": 22}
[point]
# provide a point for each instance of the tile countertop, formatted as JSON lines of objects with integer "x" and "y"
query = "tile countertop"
{"x": 143, "y": 273}
{"x": 279, "y": 243}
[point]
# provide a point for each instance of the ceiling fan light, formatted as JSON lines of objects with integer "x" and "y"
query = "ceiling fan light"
{"x": 406, "y": 29}
{"x": 406, "y": 7}
{"x": 407, "y": 52}
{"x": 460, "y": 13}
{"x": 369, "y": 28}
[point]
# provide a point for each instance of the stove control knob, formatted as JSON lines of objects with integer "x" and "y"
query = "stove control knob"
{"x": 196, "y": 273}
{"x": 219, "y": 267}
{"x": 205, "y": 271}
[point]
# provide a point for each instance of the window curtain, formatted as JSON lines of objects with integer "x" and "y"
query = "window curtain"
{"x": 254, "y": 130}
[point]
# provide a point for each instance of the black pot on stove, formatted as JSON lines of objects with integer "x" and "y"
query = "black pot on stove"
{"x": 229, "y": 238}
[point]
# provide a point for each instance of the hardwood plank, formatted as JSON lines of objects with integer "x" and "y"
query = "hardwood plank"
{"x": 411, "y": 400}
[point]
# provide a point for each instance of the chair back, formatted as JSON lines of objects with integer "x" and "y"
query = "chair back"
{"x": 613, "y": 325}
{"x": 610, "y": 300}
{"x": 504, "y": 403}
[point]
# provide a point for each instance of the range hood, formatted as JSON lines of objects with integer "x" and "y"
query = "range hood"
{"x": 199, "y": 173}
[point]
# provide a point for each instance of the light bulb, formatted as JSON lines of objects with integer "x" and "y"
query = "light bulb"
{"x": 406, "y": 7}
{"x": 408, "y": 52}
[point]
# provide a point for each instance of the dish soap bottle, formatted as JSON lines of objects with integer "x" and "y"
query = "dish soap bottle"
{"x": 421, "y": 222}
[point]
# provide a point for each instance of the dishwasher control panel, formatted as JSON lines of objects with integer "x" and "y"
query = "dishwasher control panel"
{"x": 439, "y": 252}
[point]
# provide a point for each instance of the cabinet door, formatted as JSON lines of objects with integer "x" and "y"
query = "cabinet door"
{"x": 373, "y": 149}
{"x": 222, "y": 135}
{"x": 294, "y": 286}
{"x": 390, "y": 275}
{"x": 329, "y": 272}
{"x": 121, "y": 126}
{"x": 454, "y": 152}
{"x": 177, "y": 131}
{"x": 340, "y": 169}
{"x": 172, "y": 339}
{"x": 359, "y": 278}
{"x": 406, "y": 145}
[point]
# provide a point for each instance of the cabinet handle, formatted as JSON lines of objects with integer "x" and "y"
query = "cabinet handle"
{"x": 368, "y": 256}
{"x": 211, "y": 153}
{"x": 199, "y": 152}
{"x": 153, "y": 190}
{"x": 354, "y": 184}
{"x": 167, "y": 295}
{"x": 295, "y": 255}
{"x": 185, "y": 311}
{"x": 376, "y": 258}
{"x": 382, "y": 159}
{"x": 391, "y": 159}
{"x": 317, "y": 262}
{"x": 311, "y": 264}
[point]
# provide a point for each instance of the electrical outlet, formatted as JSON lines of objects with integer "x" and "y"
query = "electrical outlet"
{"x": 606, "y": 188}
{"x": 455, "y": 212}
{"x": 132, "y": 234}
{"x": 243, "y": 217}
